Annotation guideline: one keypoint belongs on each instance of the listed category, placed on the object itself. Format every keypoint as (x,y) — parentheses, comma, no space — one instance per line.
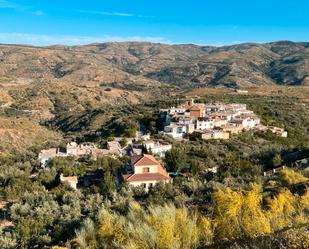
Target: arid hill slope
(138,63)
(39,83)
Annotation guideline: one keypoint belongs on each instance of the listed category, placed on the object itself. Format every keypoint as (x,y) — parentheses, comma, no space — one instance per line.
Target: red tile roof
(147,177)
(147,160)
(144,160)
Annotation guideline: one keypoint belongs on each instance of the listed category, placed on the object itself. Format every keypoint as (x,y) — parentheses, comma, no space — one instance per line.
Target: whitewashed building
(157,148)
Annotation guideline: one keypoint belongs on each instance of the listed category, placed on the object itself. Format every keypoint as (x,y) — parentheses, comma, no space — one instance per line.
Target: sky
(203,22)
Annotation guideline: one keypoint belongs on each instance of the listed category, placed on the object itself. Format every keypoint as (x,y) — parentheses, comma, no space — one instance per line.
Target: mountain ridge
(126,72)
(64,83)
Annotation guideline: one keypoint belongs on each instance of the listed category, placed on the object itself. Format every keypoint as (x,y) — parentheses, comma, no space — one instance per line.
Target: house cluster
(211,121)
(79,150)
(276,130)
(133,147)
(144,170)
(208,121)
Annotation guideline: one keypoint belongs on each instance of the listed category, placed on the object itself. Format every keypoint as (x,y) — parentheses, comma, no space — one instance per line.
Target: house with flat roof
(45,156)
(157,148)
(146,172)
(175,130)
(276,130)
(212,134)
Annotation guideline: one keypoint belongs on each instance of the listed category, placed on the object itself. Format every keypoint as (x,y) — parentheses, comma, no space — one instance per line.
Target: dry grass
(21,133)
(300,92)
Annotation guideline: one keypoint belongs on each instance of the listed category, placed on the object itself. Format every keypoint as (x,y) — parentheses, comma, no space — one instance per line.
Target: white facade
(158,148)
(145,184)
(205,124)
(175,131)
(250,123)
(175,110)
(45,156)
(72,148)
(218,122)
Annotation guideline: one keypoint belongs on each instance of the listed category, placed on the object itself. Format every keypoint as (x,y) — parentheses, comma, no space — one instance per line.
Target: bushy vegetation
(237,216)
(190,213)
(233,208)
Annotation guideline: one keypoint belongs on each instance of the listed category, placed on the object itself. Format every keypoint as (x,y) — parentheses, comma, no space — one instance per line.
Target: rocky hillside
(41,83)
(56,79)
(141,65)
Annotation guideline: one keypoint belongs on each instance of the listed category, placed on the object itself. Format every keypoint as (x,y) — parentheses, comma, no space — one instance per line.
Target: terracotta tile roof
(144,160)
(197,106)
(147,177)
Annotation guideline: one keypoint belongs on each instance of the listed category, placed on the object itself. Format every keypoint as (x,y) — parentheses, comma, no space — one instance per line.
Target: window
(145,170)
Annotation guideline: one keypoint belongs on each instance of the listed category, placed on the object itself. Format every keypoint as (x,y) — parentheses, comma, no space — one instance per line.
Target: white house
(157,148)
(45,156)
(218,122)
(175,131)
(205,123)
(175,110)
(212,134)
(278,131)
(240,91)
(147,172)
(247,122)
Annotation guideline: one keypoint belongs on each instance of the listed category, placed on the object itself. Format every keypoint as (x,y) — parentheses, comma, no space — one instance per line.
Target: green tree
(176,159)
(277,161)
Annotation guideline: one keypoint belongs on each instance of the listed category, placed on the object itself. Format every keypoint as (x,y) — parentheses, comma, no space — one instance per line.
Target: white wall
(205,125)
(147,183)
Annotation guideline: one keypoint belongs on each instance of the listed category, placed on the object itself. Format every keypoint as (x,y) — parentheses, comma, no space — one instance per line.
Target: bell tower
(189,102)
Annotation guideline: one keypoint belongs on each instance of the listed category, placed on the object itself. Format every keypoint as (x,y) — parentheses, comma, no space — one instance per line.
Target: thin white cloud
(105,13)
(18,7)
(46,40)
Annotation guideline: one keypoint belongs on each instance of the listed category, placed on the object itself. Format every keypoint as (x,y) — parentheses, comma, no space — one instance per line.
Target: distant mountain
(142,63)
(66,83)
(49,80)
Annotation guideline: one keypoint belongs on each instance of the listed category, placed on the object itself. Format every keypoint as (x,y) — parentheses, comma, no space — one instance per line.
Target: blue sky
(207,22)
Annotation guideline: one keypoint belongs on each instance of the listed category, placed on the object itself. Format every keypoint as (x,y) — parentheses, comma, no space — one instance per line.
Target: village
(154,124)
(187,121)
(212,121)
(142,164)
